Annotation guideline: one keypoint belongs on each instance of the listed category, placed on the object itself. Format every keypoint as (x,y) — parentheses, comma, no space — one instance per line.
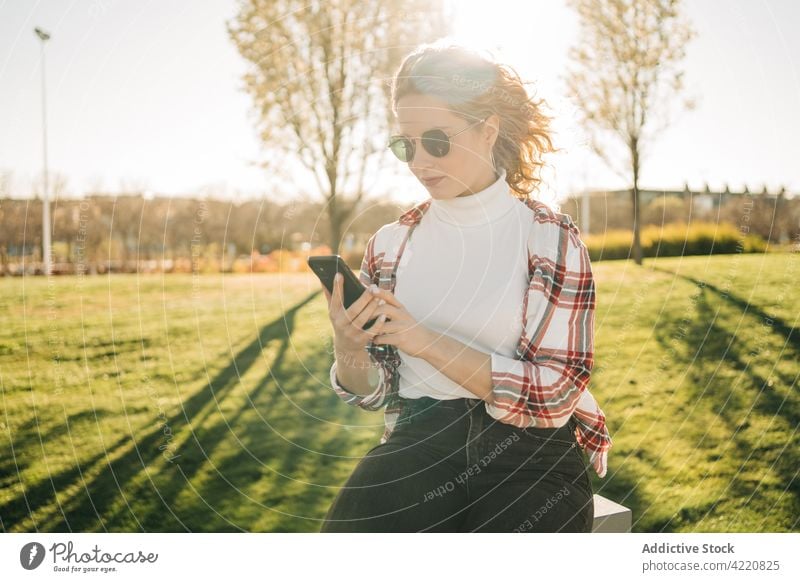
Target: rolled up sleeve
(371,401)
(543,385)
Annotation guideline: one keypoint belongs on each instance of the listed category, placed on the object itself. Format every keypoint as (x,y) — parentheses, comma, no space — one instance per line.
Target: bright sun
(533,37)
(512,29)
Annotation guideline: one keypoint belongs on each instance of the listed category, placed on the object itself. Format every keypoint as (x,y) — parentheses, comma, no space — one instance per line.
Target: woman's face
(467,166)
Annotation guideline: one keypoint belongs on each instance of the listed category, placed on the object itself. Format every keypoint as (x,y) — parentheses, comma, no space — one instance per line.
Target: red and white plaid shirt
(548,381)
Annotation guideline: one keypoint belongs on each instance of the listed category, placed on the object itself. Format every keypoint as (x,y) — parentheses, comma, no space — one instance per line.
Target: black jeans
(450,467)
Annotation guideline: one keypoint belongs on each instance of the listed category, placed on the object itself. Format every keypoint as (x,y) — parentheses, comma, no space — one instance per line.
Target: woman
(484,303)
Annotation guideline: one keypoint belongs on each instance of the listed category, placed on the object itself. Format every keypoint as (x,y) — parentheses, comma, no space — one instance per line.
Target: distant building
(599,210)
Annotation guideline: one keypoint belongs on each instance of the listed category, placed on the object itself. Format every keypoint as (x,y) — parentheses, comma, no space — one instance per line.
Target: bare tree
(626,75)
(320,80)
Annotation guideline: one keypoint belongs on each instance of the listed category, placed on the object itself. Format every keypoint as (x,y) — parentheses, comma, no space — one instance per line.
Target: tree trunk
(335,218)
(637,244)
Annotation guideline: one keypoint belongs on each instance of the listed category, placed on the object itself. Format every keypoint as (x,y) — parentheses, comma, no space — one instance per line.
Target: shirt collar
(478,208)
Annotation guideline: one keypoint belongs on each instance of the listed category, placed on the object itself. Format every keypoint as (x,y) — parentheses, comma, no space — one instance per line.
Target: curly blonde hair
(475,86)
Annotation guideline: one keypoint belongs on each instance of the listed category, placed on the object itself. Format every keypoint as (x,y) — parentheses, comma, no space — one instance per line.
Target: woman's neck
(485,183)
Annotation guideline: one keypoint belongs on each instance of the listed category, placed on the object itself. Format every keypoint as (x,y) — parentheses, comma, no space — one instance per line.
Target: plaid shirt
(547,383)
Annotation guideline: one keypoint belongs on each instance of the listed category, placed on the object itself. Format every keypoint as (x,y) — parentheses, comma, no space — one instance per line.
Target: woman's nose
(423,162)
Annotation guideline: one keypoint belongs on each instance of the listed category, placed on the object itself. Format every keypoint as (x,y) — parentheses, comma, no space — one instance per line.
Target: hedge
(675,239)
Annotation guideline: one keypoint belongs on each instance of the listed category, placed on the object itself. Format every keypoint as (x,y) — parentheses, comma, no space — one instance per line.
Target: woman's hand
(402,330)
(348,323)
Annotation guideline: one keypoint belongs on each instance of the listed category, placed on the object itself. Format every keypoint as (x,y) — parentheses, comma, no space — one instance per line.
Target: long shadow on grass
(712,348)
(87,509)
(274,449)
(289,452)
(769,401)
(790,334)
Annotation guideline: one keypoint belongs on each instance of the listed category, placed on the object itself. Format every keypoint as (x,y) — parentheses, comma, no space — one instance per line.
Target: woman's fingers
(366,314)
(386,326)
(338,313)
(378,304)
(388,296)
(337,293)
(361,318)
(391,311)
(378,327)
(358,305)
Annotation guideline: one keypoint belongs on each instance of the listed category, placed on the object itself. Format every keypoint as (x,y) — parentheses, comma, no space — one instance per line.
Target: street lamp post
(46,259)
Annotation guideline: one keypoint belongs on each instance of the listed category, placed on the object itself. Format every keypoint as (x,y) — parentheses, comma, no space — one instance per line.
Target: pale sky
(148,93)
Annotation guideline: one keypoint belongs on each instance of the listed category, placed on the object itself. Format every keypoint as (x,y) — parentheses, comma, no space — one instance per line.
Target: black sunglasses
(435,141)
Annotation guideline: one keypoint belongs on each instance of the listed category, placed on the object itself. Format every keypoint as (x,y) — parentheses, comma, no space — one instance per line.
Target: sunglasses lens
(436,143)
(402,148)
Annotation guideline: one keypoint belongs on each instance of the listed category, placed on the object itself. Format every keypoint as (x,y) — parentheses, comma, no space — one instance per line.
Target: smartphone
(326,266)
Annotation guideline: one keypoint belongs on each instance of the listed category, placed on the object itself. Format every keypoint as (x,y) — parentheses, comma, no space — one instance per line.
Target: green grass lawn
(183,403)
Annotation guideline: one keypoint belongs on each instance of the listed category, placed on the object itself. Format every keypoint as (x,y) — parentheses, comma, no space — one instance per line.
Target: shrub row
(672,240)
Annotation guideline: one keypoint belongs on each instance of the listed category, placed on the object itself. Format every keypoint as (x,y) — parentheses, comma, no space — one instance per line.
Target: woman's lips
(433,181)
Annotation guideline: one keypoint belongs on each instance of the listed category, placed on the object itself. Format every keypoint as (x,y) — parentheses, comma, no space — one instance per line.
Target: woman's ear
(491,129)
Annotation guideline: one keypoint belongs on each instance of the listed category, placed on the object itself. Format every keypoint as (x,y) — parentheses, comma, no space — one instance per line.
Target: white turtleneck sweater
(464,273)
